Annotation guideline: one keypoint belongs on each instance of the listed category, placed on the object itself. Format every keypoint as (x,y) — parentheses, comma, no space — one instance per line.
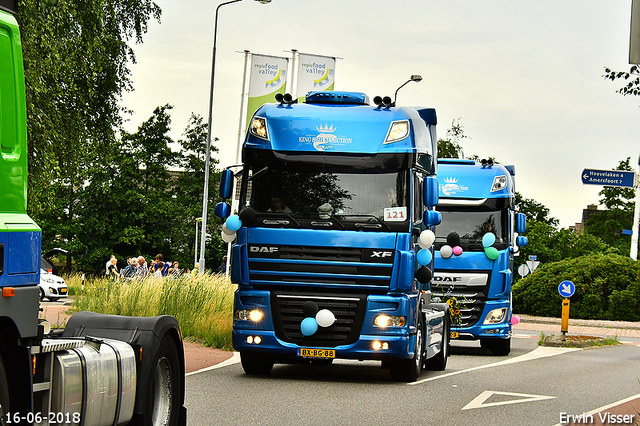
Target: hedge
(607,287)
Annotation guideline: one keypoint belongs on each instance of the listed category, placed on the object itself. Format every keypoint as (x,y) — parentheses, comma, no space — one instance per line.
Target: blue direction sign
(566,288)
(608,177)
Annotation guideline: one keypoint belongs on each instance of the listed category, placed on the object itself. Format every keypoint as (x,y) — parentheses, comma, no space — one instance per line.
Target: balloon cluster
(315,317)
(452,247)
(424,256)
(487,242)
(234,222)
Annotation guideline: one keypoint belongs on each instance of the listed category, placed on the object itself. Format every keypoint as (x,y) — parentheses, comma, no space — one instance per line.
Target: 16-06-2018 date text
(53,418)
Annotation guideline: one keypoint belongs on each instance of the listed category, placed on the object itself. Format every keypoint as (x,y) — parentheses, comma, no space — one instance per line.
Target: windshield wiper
(374,217)
(258,173)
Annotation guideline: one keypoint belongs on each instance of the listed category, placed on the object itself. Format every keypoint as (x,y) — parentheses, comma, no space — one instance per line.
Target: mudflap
(144,334)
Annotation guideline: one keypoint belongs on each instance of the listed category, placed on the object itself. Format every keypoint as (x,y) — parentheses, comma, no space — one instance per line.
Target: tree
(450,146)
(632,77)
(534,211)
(75,62)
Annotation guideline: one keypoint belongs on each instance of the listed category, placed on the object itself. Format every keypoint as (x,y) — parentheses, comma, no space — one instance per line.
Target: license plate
(454,335)
(316,353)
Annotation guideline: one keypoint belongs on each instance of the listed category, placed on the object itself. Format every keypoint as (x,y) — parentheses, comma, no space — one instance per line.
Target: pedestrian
(112,270)
(222,269)
(129,272)
(159,268)
(196,270)
(108,264)
(165,265)
(174,271)
(142,269)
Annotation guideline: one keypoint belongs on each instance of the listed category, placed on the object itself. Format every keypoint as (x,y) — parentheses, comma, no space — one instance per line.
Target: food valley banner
(267,76)
(315,73)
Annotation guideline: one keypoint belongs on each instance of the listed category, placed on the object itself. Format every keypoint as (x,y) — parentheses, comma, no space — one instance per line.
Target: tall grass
(202,305)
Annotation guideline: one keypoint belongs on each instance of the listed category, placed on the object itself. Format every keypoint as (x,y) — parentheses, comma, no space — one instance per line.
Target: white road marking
(233,360)
(539,352)
(479,401)
(606,407)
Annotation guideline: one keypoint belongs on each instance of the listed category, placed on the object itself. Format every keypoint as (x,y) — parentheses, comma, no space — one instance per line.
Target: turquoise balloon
(308,326)
(491,252)
(424,257)
(488,239)
(233,223)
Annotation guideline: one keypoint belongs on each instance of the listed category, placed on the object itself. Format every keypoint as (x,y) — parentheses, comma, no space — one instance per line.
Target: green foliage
(450,146)
(607,287)
(631,77)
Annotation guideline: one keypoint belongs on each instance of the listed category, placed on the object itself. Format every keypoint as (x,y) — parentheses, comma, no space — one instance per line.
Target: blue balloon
(233,223)
(487,239)
(308,326)
(424,257)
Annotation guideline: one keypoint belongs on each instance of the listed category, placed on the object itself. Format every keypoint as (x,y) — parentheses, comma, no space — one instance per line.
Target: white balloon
(227,238)
(325,318)
(227,230)
(426,239)
(446,252)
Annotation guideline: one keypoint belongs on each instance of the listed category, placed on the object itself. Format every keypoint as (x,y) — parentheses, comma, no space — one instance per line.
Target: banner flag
(267,76)
(315,73)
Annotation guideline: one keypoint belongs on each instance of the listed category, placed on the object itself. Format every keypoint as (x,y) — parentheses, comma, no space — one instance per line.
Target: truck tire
(164,386)
(4,394)
(439,362)
(255,364)
(408,370)
(500,347)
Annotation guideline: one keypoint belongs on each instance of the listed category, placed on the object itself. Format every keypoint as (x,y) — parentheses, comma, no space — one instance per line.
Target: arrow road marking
(480,400)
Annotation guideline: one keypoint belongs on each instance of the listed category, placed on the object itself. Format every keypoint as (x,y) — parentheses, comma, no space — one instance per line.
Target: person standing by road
(142,269)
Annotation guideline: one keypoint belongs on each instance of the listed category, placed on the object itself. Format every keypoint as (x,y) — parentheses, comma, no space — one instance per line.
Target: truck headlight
(259,128)
(398,130)
(390,321)
(499,183)
(496,316)
(254,315)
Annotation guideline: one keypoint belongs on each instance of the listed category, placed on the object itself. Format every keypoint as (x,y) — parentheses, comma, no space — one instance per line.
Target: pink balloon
(515,320)
(457,250)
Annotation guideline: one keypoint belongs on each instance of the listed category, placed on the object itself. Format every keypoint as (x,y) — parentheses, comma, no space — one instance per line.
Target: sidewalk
(601,328)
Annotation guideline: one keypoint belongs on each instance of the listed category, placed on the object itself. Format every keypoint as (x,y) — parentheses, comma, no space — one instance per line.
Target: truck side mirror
(431,218)
(521,223)
(226,184)
(522,241)
(430,190)
(222,210)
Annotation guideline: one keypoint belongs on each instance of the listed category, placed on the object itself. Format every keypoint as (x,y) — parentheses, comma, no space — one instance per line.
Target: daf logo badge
(263,249)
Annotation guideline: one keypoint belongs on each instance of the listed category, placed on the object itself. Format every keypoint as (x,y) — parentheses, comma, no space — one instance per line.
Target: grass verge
(202,305)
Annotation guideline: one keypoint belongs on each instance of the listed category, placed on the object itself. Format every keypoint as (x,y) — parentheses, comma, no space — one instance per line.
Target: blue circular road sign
(566,288)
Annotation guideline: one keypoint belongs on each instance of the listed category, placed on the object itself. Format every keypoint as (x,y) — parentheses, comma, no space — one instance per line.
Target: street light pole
(205,197)
(414,77)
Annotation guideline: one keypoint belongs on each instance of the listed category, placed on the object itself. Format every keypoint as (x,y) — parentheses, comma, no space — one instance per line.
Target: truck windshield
(471,226)
(380,199)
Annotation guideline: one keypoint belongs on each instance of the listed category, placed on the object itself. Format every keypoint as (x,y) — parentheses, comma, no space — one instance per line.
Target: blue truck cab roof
(341,123)
(467,179)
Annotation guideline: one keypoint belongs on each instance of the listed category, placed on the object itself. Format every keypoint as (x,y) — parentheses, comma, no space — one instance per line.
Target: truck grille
(288,313)
(473,299)
(361,268)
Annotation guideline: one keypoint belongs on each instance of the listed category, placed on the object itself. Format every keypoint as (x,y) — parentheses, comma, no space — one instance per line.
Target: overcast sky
(524,77)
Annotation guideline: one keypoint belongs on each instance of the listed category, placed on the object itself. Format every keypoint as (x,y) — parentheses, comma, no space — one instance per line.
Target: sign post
(566,290)
(620,178)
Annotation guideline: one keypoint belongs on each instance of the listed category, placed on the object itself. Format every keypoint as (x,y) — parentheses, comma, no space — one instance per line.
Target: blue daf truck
(474,248)
(334,195)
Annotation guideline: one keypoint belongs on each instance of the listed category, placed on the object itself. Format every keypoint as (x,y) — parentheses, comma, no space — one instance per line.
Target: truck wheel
(164,386)
(4,394)
(255,364)
(408,370)
(439,362)
(497,346)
